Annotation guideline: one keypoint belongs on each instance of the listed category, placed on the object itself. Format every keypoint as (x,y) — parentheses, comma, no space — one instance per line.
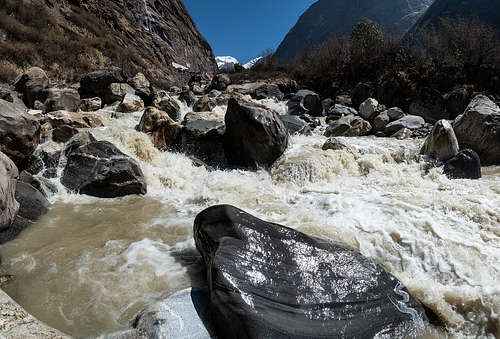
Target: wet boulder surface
(270,281)
(255,136)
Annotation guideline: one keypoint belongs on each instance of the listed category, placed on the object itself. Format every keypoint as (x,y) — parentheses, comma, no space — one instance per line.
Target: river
(91,264)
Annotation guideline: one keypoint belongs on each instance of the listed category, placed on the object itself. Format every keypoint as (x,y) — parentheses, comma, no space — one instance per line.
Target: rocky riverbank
(109,138)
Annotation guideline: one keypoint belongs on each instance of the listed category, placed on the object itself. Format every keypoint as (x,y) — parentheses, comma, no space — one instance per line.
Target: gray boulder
(116,92)
(31,85)
(478,128)
(255,136)
(91,104)
(8,204)
(295,124)
(305,102)
(220,82)
(267,91)
(19,132)
(348,126)
(381,121)
(336,144)
(74,119)
(338,111)
(99,169)
(441,143)
(32,206)
(131,103)
(368,109)
(142,87)
(411,122)
(185,314)
(395,113)
(57,99)
(403,133)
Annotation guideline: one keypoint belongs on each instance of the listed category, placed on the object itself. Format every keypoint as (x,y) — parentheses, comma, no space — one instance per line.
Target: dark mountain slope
(486,11)
(328,17)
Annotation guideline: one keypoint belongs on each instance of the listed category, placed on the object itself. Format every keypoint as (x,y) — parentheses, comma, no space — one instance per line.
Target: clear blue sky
(244,29)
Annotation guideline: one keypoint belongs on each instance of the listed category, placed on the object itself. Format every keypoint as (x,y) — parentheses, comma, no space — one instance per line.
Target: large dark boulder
(305,102)
(478,128)
(31,85)
(99,169)
(255,136)
(95,84)
(270,281)
(465,165)
(19,132)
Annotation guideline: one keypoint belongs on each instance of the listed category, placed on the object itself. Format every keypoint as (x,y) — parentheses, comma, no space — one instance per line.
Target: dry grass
(33,38)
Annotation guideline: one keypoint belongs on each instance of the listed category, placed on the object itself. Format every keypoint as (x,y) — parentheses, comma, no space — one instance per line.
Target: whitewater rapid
(91,264)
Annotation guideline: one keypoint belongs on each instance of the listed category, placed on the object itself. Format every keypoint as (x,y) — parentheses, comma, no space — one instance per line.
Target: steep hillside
(69,37)
(327,17)
(486,11)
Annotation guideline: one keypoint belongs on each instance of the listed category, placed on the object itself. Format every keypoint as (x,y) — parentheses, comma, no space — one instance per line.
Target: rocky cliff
(326,18)
(70,37)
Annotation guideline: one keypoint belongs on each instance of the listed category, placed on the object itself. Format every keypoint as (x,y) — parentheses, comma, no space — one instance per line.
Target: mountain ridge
(325,18)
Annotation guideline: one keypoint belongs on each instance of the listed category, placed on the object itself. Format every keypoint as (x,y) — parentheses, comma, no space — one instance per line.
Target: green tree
(366,35)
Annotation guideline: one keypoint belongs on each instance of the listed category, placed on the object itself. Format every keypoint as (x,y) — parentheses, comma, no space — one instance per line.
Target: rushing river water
(91,264)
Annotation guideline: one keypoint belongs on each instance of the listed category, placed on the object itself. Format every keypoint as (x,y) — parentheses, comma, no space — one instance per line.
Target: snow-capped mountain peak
(226,63)
(252,63)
